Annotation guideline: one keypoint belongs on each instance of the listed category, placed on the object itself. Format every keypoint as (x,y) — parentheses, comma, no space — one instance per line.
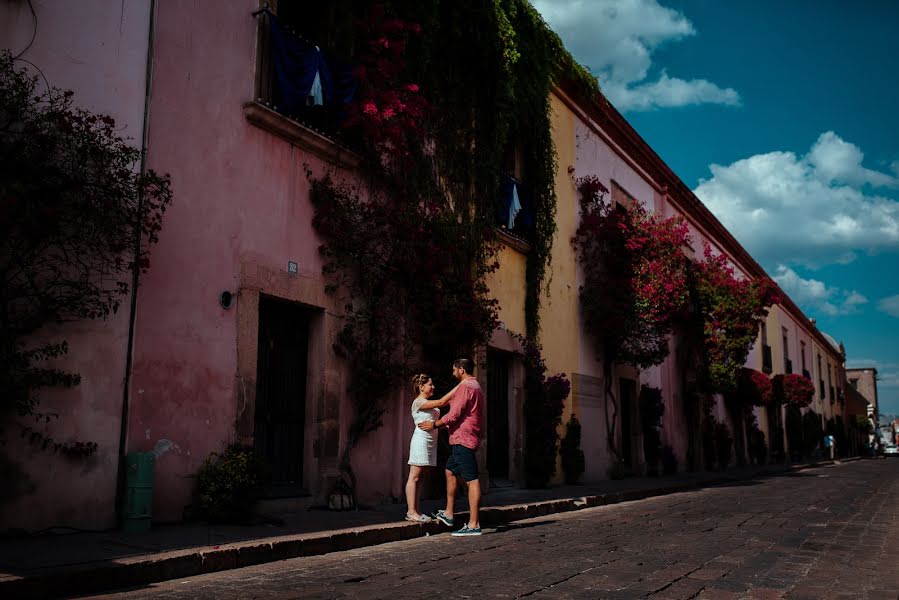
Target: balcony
(806,374)
(514,213)
(788,366)
(767,365)
(299,80)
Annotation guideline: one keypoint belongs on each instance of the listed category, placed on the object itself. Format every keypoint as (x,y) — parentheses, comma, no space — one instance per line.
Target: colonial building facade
(234,333)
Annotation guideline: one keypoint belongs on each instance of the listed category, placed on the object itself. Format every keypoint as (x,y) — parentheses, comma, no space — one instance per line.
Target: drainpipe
(135,276)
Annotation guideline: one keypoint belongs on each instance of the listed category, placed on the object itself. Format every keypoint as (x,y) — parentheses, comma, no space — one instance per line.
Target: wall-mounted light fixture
(226,299)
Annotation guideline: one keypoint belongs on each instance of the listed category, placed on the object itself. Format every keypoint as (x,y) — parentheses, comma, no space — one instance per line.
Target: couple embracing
(463,421)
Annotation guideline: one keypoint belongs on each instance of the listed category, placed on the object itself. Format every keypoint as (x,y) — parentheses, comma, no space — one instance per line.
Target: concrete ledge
(178,564)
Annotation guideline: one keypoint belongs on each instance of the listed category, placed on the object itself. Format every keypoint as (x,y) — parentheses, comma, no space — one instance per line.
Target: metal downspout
(135,276)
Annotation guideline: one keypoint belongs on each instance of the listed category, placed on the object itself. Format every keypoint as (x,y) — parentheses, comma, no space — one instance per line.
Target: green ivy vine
(446,90)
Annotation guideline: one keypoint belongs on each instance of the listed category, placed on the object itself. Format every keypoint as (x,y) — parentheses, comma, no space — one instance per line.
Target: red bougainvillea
(754,388)
(635,284)
(387,111)
(635,276)
(794,389)
(732,309)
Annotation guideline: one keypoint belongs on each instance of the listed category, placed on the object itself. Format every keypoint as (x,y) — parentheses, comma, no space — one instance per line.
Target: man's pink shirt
(463,421)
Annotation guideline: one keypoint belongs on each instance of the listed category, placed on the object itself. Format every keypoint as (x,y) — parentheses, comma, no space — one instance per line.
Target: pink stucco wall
(242,211)
(103,60)
(598,156)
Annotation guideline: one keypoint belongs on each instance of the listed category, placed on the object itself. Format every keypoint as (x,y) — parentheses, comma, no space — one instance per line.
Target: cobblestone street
(830,532)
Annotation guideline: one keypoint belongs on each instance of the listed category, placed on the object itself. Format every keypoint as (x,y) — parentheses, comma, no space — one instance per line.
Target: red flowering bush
(731,309)
(793,388)
(754,388)
(635,277)
(635,284)
(386,114)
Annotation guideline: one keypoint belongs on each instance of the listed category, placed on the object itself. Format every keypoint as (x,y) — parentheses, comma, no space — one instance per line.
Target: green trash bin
(138,509)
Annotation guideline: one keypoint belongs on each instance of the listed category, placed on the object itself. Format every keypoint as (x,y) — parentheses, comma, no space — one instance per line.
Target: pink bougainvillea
(387,113)
(635,271)
(794,389)
(732,310)
(754,388)
(635,284)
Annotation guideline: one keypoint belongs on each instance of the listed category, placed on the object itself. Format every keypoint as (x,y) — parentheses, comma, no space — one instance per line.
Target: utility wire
(33,34)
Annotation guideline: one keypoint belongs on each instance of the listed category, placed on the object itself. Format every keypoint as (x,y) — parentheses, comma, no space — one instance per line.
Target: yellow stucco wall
(559,313)
(507,285)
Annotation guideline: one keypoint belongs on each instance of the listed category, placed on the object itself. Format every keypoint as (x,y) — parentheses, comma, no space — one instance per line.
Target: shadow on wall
(16,482)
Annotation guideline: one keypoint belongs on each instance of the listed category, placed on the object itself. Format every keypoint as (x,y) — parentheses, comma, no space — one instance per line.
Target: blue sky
(783,117)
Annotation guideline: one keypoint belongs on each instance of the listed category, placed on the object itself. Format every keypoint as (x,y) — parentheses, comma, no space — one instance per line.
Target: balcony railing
(788,366)
(806,374)
(767,365)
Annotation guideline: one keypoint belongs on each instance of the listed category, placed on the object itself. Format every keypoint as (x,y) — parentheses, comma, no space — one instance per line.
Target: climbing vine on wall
(635,285)
(76,220)
(445,89)
(731,311)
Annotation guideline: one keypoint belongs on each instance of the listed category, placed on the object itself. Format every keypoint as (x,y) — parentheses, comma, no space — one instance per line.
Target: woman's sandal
(418,519)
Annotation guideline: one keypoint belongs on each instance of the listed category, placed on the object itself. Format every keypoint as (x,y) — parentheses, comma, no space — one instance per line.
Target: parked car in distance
(890,450)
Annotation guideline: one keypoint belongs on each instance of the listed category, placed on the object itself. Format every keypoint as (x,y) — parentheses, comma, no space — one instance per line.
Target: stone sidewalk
(84,562)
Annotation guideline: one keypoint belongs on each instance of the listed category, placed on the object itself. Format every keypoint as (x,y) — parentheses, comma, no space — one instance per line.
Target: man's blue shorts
(463,461)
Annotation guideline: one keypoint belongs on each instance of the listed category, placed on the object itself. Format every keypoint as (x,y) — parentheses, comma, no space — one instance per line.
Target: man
(463,421)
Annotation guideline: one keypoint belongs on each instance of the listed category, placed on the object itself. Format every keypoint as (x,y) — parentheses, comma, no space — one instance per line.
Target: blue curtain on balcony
(513,205)
(304,74)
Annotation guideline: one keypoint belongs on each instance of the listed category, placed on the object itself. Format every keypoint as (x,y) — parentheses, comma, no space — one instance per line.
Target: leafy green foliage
(228,484)
(573,462)
(543,407)
(813,432)
(794,431)
(724,445)
(446,90)
(731,310)
(76,219)
(758,446)
(669,460)
(652,409)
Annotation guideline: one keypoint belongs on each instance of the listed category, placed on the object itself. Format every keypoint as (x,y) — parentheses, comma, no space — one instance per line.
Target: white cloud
(837,161)
(813,209)
(616,39)
(668,92)
(812,294)
(890,305)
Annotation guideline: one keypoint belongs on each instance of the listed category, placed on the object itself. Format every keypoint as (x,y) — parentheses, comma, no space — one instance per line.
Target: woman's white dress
(423,448)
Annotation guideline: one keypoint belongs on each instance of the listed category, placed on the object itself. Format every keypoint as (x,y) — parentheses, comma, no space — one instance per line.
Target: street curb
(178,564)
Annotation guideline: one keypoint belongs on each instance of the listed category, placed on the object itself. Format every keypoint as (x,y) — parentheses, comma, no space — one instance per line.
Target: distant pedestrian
(830,444)
(464,424)
(423,446)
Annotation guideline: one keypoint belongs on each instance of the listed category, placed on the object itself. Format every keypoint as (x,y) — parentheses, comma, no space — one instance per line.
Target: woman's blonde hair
(418,381)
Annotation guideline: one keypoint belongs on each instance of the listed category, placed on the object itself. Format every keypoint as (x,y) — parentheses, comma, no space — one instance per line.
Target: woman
(423,447)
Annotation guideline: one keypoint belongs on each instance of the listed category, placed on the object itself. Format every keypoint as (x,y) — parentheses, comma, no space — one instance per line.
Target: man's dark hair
(466,364)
